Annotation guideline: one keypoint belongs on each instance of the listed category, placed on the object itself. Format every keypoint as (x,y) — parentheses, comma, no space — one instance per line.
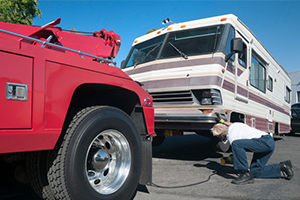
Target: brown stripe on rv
(241,91)
(176,64)
(231,69)
(210,80)
(264,125)
(183,82)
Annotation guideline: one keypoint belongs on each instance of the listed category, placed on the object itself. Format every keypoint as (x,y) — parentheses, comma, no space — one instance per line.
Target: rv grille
(172,97)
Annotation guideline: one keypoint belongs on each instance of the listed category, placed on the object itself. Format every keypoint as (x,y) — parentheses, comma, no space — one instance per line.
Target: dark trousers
(262,148)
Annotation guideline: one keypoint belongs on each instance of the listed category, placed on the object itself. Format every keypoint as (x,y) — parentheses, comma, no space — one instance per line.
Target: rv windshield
(145,52)
(180,43)
(193,42)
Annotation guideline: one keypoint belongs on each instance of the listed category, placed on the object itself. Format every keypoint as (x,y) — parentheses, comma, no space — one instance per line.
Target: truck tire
(36,167)
(99,157)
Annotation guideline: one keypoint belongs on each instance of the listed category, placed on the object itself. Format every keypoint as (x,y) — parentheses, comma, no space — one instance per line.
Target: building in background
(295,79)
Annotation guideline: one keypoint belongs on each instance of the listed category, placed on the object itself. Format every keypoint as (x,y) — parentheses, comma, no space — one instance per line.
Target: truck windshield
(180,43)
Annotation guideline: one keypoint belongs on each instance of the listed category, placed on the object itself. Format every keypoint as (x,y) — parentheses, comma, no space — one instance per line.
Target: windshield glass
(140,52)
(179,44)
(192,42)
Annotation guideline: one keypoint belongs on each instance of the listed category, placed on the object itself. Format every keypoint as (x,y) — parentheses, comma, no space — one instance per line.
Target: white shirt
(237,131)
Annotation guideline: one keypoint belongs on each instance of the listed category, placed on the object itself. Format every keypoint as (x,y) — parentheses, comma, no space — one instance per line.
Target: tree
(19,11)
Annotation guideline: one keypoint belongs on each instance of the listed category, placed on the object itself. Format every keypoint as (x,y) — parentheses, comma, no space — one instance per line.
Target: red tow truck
(74,125)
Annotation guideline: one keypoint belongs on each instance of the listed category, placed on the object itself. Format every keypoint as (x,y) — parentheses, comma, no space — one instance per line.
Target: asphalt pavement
(187,168)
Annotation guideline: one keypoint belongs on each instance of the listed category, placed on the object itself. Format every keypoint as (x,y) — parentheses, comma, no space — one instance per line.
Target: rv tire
(220,144)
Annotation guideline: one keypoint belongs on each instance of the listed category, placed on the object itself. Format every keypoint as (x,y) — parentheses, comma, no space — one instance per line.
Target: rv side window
(287,97)
(257,73)
(192,42)
(228,49)
(243,56)
(270,84)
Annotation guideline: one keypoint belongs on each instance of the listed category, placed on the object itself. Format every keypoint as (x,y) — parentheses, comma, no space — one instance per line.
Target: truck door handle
(15,91)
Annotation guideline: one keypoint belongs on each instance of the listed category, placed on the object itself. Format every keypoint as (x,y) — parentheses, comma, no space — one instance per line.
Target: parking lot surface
(187,168)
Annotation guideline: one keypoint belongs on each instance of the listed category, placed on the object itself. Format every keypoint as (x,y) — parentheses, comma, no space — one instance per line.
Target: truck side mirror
(236,46)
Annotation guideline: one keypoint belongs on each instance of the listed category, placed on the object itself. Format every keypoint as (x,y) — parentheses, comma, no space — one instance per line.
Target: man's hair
(219,129)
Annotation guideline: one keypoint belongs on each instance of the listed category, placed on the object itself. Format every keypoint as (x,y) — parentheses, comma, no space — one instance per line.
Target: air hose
(192,184)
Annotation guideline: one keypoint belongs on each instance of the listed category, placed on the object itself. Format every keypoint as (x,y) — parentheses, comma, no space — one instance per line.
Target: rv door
(241,92)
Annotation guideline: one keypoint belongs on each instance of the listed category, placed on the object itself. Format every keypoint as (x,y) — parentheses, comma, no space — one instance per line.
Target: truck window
(193,41)
(141,50)
(257,73)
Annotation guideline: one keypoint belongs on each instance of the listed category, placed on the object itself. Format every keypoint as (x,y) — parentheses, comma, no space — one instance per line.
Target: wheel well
(97,94)
(237,117)
(88,95)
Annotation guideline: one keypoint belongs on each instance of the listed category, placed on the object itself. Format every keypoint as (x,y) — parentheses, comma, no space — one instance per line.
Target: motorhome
(197,68)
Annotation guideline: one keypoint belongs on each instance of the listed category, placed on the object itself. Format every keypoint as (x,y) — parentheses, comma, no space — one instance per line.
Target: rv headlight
(208,97)
(206,101)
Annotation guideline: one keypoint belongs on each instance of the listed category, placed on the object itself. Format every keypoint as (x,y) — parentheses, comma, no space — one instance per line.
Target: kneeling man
(245,138)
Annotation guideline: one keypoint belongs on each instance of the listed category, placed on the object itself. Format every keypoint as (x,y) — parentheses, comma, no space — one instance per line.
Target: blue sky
(275,23)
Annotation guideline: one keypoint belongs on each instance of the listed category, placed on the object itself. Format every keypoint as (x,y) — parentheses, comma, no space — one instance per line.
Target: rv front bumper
(192,122)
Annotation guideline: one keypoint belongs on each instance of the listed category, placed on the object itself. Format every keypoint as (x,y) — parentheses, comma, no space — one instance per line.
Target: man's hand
(219,119)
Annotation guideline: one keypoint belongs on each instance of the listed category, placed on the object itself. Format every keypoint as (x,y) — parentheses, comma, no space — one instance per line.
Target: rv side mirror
(236,46)
(122,64)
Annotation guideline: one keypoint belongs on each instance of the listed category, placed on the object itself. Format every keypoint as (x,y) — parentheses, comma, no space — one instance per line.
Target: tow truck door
(15,91)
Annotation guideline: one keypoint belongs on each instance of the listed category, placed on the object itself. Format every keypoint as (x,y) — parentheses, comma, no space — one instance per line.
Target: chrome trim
(15,91)
(108,162)
(147,99)
(185,118)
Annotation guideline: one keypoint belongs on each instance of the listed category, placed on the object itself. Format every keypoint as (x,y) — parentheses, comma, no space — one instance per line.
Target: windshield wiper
(146,56)
(178,51)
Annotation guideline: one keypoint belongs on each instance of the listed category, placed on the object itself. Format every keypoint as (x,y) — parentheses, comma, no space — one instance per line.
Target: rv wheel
(220,144)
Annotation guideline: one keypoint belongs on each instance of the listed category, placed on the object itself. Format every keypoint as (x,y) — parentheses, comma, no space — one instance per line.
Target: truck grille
(173,97)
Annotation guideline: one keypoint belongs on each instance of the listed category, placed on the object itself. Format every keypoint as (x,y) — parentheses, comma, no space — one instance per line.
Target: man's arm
(219,119)
(227,123)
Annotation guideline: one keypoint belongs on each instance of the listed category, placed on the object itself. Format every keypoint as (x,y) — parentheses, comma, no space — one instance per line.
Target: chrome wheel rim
(108,161)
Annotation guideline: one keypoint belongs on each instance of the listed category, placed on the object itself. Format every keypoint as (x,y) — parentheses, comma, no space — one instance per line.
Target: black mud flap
(146,175)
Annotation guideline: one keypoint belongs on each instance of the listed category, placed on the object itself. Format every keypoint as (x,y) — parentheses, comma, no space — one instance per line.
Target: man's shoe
(288,163)
(245,177)
(286,168)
